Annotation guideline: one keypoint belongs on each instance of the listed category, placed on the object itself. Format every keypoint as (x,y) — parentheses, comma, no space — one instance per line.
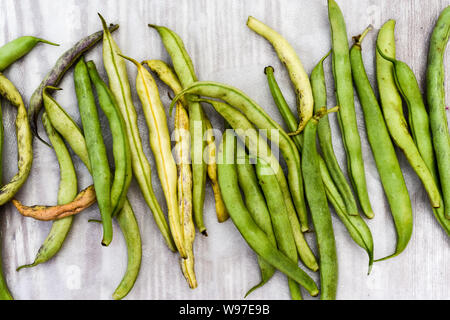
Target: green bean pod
(66,193)
(320,213)
(156,120)
(345,99)
(17,48)
(98,158)
(4,291)
(258,147)
(256,205)
(418,122)
(298,75)
(383,150)
(121,148)
(356,226)
(280,218)
(184,69)
(69,130)
(436,102)
(391,103)
(24,141)
(262,120)
(253,235)
(120,87)
(325,140)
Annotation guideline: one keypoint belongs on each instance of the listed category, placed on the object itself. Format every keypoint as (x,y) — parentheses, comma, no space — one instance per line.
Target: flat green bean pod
(258,147)
(120,87)
(320,213)
(253,235)
(418,122)
(66,193)
(345,99)
(383,151)
(325,140)
(280,218)
(391,103)
(69,130)
(238,99)
(257,207)
(356,226)
(184,69)
(298,75)
(17,48)
(24,141)
(436,102)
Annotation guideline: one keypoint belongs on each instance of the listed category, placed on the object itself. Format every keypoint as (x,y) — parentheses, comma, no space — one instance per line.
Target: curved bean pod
(66,193)
(68,129)
(54,76)
(383,150)
(345,99)
(121,148)
(253,235)
(118,82)
(155,117)
(24,141)
(418,122)
(17,48)
(356,226)
(184,69)
(391,103)
(238,99)
(280,218)
(256,205)
(258,147)
(436,102)
(98,158)
(298,75)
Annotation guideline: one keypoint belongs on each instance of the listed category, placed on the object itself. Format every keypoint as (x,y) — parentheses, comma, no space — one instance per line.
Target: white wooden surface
(222,49)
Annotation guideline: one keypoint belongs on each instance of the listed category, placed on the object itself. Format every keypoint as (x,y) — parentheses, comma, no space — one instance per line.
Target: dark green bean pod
(280,218)
(54,76)
(320,213)
(436,102)
(356,226)
(96,148)
(253,235)
(256,204)
(383,150)
(345,99)
(17,48)
(121,148)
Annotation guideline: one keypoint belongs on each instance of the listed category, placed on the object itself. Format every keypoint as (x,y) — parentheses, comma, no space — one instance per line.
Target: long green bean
(383,151)
(345,99)
(436,102)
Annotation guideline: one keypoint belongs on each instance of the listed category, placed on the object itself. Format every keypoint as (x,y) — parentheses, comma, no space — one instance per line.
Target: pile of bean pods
(270,208)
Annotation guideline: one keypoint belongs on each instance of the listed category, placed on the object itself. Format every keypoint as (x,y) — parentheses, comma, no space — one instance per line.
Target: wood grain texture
(223,49)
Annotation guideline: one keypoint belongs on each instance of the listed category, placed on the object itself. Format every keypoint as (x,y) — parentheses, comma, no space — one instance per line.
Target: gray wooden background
(223,49)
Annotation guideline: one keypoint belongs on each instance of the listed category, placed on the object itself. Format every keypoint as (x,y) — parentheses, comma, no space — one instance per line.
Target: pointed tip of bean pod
(46,88)
(104,24)
(27,266)
(135,62)
(154,26)
(357,40)
(48,42)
